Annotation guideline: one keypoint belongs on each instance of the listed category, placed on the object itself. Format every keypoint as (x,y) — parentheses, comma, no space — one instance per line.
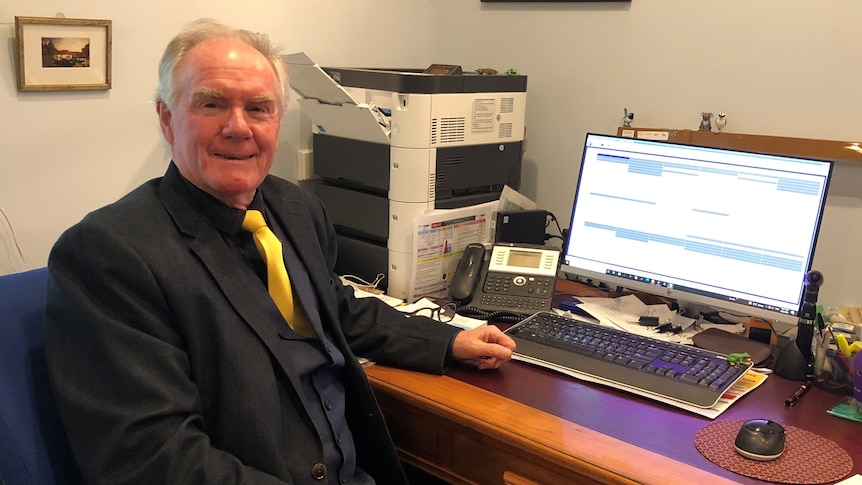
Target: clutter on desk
(851,406)
(439,238)
(454,319)
(625,312)
(833,371)
(572,306)
(359,283)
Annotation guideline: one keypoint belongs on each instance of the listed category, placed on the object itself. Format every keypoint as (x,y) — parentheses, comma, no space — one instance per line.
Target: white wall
(776,67)
(63,154)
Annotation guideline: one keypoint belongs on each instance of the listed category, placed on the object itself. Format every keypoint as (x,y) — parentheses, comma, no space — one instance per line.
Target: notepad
(848,408)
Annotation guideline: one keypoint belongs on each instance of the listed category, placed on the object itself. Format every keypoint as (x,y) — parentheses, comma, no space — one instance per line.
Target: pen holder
(832,370)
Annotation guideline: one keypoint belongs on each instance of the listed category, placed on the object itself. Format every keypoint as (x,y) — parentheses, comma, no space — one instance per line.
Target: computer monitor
(729,229)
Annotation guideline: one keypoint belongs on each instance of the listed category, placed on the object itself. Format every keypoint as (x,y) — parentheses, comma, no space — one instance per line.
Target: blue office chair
(33,445)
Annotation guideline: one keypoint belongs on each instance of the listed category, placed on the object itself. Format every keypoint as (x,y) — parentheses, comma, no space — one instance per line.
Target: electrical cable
(506,316)
(562,233)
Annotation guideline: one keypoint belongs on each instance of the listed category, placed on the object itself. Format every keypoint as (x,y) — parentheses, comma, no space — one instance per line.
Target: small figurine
(705,122)
(511,71)
(720,122)
(486,71)
(627,118)
(742,358)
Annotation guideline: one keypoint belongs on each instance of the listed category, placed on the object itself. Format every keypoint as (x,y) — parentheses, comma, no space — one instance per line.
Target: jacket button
(318,471)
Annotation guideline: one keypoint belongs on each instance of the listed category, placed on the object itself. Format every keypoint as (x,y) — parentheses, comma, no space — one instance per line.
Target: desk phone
(513,278)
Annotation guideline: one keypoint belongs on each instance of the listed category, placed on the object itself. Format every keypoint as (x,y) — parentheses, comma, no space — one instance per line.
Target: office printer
(390,144)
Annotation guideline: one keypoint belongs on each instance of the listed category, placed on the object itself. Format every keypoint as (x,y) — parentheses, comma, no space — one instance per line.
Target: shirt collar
(226,219)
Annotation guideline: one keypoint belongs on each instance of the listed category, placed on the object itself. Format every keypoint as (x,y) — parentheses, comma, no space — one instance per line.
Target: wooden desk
(465,434)
(539,427)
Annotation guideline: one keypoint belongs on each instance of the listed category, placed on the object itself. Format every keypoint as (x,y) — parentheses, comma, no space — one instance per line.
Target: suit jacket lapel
(209,246)
(292,216)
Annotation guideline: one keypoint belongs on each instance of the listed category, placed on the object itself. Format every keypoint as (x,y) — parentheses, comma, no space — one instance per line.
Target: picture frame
(61,54)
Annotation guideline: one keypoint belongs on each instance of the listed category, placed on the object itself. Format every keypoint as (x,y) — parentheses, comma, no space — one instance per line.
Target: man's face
(223,128)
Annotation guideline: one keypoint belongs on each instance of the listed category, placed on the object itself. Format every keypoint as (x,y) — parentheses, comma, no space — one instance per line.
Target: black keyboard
(647,366)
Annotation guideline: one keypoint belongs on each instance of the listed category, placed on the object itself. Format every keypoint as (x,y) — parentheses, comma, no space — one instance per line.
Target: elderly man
(177,353)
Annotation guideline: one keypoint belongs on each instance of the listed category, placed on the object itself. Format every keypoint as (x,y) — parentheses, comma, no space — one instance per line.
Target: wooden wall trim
(838,151)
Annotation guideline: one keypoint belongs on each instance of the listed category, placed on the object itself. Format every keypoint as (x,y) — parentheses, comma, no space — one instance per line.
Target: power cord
(505,316)
(561,233)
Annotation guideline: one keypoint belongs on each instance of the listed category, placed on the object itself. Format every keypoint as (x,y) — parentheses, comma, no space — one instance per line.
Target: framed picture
(58,54)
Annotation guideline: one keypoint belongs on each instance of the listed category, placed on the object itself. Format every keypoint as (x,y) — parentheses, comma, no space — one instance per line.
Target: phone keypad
(518,285)
(515,303)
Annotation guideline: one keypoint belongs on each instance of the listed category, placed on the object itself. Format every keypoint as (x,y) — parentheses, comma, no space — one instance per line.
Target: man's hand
(485,347)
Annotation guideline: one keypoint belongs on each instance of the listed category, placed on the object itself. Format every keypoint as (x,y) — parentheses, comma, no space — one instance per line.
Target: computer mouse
(760,439)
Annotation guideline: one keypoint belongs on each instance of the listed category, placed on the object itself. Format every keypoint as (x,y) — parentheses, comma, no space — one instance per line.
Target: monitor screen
(729,229)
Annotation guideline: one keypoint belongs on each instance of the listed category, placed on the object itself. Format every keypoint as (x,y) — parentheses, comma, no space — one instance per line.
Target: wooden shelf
(839,151)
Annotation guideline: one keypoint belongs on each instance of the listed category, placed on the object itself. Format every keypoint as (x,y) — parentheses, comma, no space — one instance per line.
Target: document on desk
(750,381)
(623,313)
(439,239)
(440,236)
(512,200)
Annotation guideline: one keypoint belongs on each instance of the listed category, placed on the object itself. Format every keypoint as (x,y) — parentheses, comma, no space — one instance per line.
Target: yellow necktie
(277,280)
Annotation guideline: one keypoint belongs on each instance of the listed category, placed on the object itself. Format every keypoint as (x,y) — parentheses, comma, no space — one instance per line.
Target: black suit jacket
(165,369)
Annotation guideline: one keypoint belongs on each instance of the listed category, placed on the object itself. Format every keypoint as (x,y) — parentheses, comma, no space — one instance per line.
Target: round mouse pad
(808,458)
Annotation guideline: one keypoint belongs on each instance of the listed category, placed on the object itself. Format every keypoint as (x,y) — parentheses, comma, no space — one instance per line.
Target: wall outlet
(304,164)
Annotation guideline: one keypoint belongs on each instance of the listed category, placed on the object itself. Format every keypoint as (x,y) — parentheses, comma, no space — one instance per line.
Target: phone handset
(467,274)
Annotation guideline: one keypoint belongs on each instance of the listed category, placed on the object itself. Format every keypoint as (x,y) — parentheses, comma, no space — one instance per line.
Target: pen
(793,399)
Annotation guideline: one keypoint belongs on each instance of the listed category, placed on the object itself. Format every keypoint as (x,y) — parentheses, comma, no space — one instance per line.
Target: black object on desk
(796,359)
(797,395)
(724,342)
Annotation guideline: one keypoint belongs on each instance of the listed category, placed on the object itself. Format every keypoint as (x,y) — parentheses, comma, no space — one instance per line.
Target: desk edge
(465,404)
